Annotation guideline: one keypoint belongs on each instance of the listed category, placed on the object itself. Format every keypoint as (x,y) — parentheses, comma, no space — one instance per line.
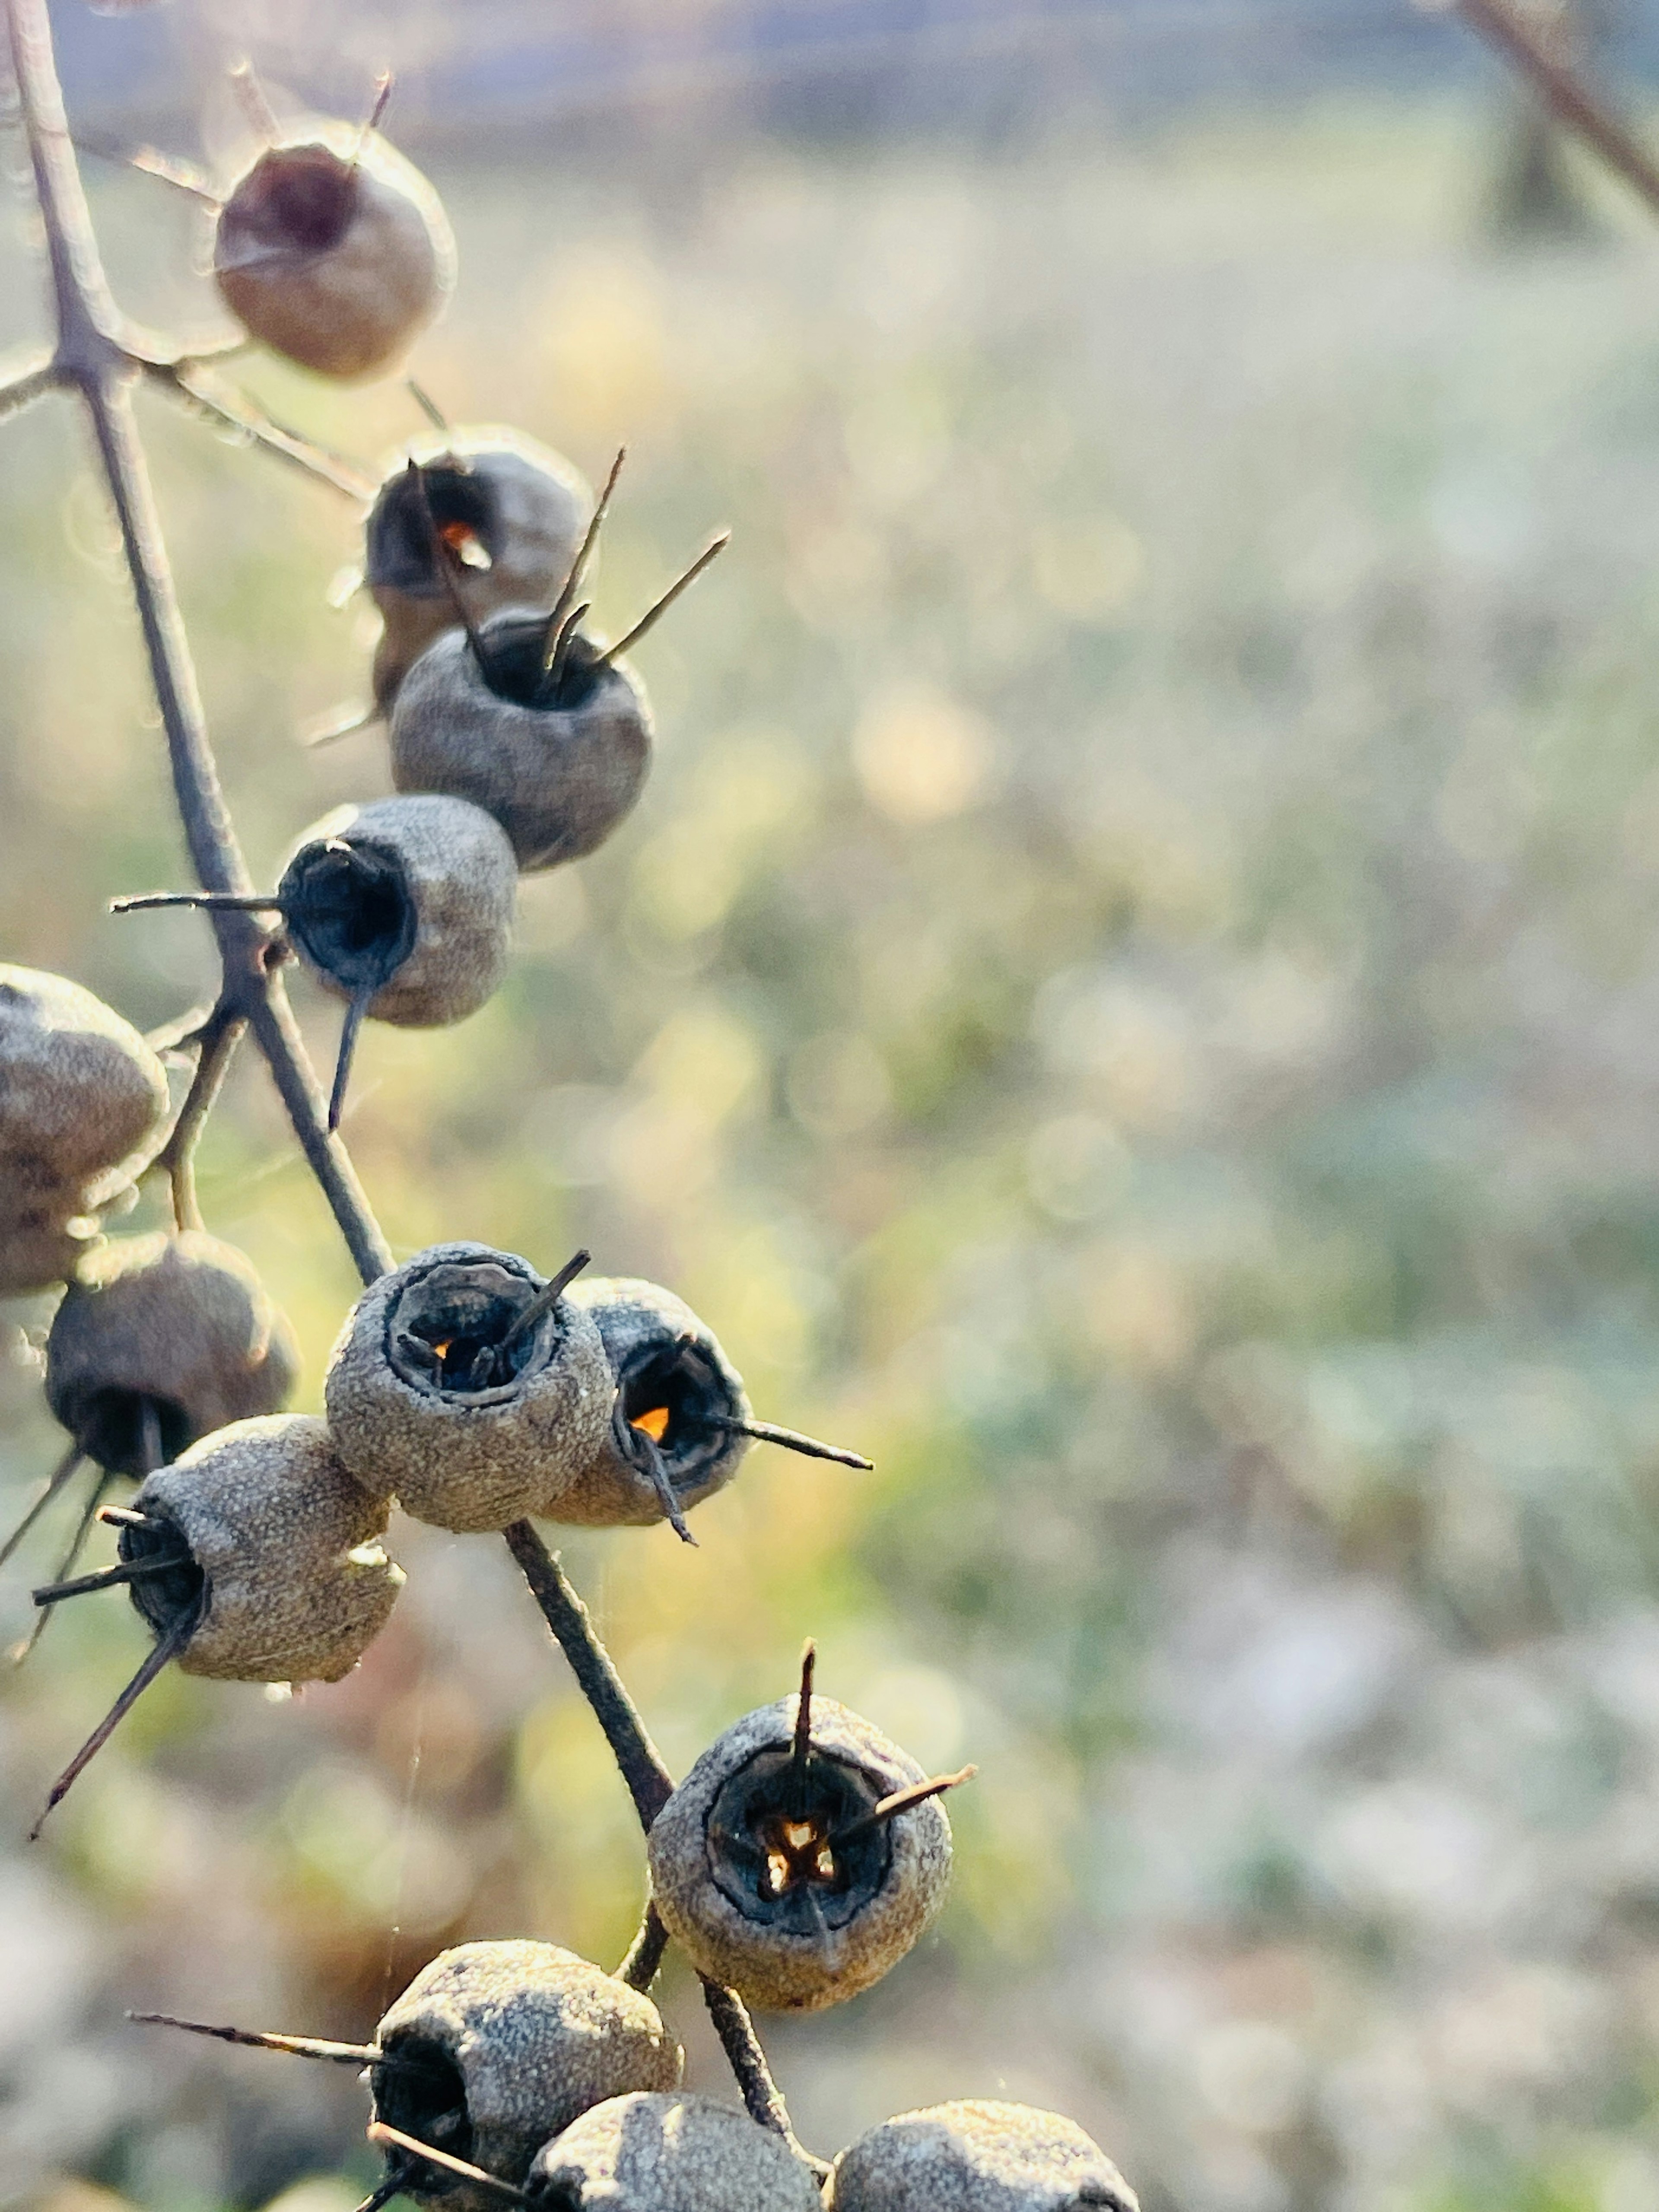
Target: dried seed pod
(803,1855)
(682,1420)
(37,1250)
(333,250)
(283,1557)
(973,2156)
(558,765)
(520,2038)
(405,904)
(508,513)
(179,1325)
(470,1386)
(82,1095)
(669,2154)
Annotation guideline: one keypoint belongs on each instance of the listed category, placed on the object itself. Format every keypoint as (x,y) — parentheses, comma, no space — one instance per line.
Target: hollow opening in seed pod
(300,198)
(518,667)
(349,908)
(562,2193)
(774,1847)
(111,1428)
(466,512)
(174,1593)
(675,1395)
(431,2105)
(455,1330)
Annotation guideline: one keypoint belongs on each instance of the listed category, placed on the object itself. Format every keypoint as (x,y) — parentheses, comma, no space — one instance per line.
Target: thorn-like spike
(123,1517)
(642,1447)
(428,405)
(354,1011)
(125,1571)
(578,568)
(371,122)
(768,1432)
(150,161)
(548,689)
(445,566)
(165,1649)
(342,722)
(544,1300)
(801,1753)
(654,614)
(293,2046)
(391,2138)
(899,1802)
(393,2185)
(20,1652)
(54,1482)
(251,96)
(214,901)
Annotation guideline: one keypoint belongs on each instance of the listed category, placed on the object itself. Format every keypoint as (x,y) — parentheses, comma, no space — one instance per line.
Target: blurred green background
(1132,995)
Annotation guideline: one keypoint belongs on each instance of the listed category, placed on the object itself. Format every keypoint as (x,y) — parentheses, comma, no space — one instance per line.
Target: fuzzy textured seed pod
(509,511)
(674,1384)
(446,1390)
(669,2154)
(82,1098)
(521,2038)
(180,1324)
(333,250)
(283,1550)
(558,771)
(970,2156)
(770,1872)
(405,904)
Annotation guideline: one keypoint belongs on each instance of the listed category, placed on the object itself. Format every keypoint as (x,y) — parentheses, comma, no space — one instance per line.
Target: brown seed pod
(82,1099)
(520,2038)
(333,250)
(803,1855)
(669,2154)
(180,1325)
(470,1386)
(504,515)
(973,2156)
(558,765)
(284,1554)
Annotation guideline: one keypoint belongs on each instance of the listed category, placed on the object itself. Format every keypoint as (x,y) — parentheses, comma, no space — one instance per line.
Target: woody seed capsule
(669,2154)
(674,1385)
(506,513)
(771,1865)
(520,2038)
(435,1392)
(284,1554)
(405,904)
(333,250)
(179,1324)
(558,765)
(973,2156)
(82,1098)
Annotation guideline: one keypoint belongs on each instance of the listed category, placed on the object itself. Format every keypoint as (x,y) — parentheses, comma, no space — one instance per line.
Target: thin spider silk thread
(405,1822)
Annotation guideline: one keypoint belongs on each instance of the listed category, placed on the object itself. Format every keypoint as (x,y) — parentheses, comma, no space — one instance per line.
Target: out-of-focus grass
(1130,996)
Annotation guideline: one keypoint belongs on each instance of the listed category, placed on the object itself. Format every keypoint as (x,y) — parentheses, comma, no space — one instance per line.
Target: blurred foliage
(1132,996)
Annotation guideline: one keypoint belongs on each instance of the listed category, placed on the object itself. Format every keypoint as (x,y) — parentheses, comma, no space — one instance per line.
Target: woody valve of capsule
(669,2154)
(776,1873)
(517,2039)
(975,2156)
(452,1387)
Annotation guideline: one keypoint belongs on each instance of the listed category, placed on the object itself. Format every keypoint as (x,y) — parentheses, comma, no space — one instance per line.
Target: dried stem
(219,1036)
(645,1953)
(1564,92)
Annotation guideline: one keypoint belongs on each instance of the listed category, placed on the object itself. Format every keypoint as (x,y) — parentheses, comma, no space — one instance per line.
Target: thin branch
(1566,94)
(24,385)
(762,2100)
(645,1953)
(235,411)
(219,1036)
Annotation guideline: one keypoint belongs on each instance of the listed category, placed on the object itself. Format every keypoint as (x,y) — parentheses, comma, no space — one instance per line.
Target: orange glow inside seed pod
(465,544)
(654,1423)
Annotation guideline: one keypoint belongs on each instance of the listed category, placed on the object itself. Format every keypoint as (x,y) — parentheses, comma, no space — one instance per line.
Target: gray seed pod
(511,512)
(521,2038)
(669,2154)
(333,250)
(405,903)
(752,1877)
(180,1323)
(558,775)
(970,2156)
(673,1381)
(284,1552)
(81,1094)
(431,1394)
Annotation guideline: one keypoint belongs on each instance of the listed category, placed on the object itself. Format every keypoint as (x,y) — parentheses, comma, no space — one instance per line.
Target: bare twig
(1569,98)
(233,410)
(23,386)
(219,1036)
(645,1953)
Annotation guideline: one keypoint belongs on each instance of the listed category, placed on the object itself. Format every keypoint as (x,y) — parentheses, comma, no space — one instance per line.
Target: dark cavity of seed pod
(297,197)
(465,514)
(349,909)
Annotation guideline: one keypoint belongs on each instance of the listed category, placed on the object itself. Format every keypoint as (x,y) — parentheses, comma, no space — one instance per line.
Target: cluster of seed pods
(805,1853)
